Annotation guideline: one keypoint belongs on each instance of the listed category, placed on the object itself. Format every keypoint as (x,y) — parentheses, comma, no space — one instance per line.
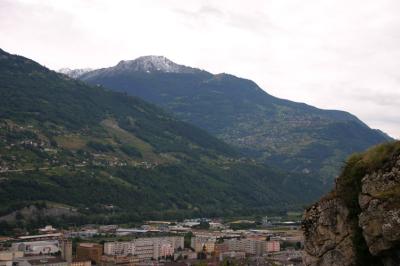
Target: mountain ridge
(84,71)
(143,64)
(127,64)
(65,142)
(151,63)
(294,136)
(74,73)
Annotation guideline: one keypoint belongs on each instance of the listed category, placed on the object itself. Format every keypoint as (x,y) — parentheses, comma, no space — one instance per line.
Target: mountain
(74,73)
(358,222)
(153,63)
(105,157)
(294,136)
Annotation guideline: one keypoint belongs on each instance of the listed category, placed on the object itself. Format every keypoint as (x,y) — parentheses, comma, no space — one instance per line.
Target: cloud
(335,54)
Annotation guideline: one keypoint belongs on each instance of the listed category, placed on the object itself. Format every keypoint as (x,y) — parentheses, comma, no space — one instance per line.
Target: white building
(47,229)
(119,248)
(145,248)
(247,245)
(83,234)
(37,247)
(129,231)
(201,242)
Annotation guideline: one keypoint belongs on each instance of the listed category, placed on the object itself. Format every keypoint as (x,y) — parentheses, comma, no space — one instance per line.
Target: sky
(333,54)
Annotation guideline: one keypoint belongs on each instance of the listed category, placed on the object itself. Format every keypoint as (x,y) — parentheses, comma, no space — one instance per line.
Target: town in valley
(202,241)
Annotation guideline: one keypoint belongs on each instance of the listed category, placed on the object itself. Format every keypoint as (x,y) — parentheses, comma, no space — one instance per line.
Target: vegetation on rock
(367,193)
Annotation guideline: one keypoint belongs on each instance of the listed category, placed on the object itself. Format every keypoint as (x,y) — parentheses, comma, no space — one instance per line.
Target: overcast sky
(339,54)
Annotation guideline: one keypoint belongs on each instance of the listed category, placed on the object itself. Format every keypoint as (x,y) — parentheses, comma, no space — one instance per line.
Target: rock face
(328,234)
(362,210)
(380,216)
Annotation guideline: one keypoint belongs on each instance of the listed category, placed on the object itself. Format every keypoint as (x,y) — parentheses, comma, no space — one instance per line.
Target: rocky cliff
(358,223)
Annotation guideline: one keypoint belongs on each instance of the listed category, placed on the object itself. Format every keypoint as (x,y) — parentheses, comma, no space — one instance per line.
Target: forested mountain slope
(112,157)
(295,136)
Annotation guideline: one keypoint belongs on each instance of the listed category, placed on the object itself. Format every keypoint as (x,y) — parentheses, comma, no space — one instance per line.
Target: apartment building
(248,245)
(119,248)
(203,242)
(273,246)
(221,248)
(37,247)
(66,250)
(145,248)
(89,251)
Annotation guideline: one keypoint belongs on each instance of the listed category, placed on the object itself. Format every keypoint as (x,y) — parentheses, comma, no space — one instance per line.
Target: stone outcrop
(328,234)
(380,213)
(332,231)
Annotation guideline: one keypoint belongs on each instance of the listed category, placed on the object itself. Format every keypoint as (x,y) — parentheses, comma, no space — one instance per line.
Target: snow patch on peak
(74,73)
(153,63)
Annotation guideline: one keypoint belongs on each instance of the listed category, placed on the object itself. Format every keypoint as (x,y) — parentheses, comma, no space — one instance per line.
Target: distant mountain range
(293,136)
(108,157)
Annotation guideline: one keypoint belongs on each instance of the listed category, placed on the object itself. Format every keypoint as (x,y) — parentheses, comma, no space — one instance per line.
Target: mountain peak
(74,73)
(154,63)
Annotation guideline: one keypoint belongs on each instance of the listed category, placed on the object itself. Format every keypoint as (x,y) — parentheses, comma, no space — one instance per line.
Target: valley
(65,142)
(199,133)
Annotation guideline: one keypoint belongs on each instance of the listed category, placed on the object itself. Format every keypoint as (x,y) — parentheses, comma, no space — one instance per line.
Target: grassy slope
(88,148)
